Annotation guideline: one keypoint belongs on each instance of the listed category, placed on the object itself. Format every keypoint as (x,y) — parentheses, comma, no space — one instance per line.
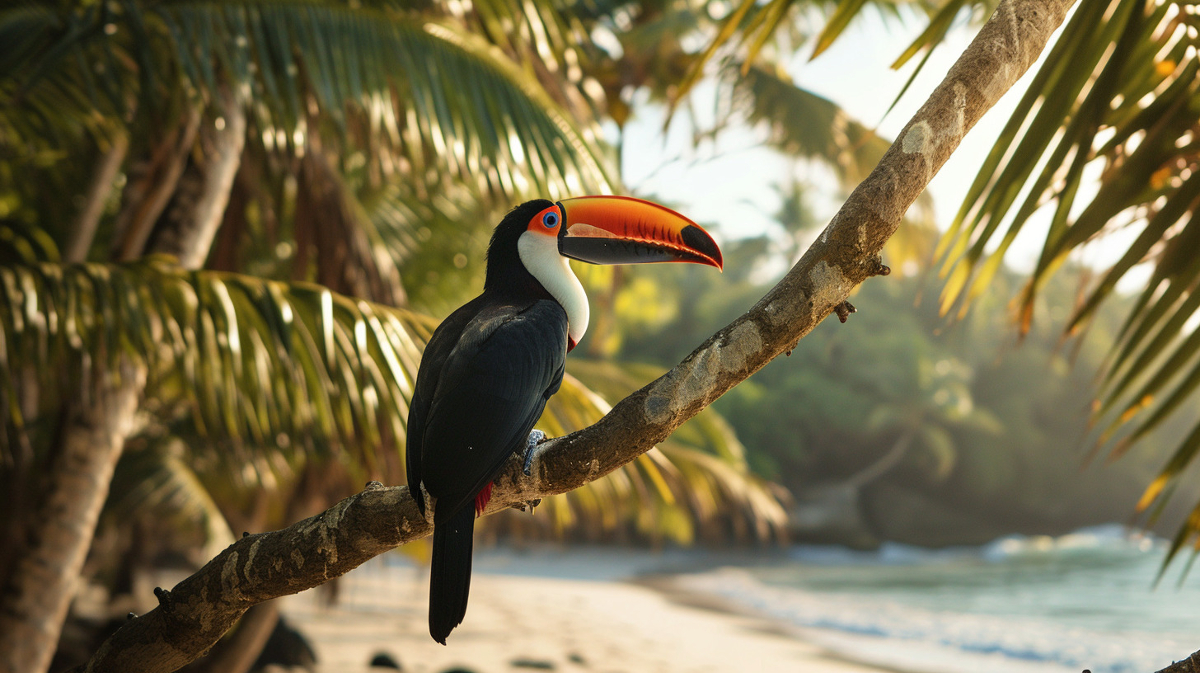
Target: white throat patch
(539,254)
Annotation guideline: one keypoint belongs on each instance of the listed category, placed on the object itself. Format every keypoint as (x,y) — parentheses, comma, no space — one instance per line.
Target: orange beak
(625,230)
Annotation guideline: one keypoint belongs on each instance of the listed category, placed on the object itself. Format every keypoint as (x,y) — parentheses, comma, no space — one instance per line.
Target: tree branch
(1189,665)
(35,596)
(260,567)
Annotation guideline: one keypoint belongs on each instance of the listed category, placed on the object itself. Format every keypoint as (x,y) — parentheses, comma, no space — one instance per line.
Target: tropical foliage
(349,160)
(1105,142)
(947,434)
(279,376)
(374,135)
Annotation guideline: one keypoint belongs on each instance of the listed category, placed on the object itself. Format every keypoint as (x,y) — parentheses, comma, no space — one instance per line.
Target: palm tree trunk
(84,230)
(35,597)
(191,235)
(882,466)
(325,214)
(147,196)
(44,579)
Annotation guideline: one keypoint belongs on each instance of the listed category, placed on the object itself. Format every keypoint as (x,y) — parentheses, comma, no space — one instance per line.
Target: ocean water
(1018,605)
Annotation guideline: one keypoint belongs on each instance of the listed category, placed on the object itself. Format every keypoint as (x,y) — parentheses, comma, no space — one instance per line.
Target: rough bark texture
(201,608)
(265,566)
(43,581)
(1189,665)
(238,652)
(38,591)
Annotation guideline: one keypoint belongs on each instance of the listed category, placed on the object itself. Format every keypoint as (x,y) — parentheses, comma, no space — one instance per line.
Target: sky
(734,184)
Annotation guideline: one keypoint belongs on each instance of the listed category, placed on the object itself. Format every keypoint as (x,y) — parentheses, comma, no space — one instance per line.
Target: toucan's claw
(843,310)
(536,437)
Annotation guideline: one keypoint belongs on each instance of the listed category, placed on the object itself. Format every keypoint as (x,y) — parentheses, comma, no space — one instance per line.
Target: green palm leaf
(1118,98)
(468,99)
(804,124)
(469,106)
(258,362)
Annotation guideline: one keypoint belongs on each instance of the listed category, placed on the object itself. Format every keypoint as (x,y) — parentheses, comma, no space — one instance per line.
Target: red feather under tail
(481,499)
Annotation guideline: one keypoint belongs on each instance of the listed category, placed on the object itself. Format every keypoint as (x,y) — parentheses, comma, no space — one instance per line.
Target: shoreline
(534,622)
(671,587)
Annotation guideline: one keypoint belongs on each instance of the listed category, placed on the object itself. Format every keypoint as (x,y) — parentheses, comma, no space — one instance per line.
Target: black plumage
(483,382)
(489,369)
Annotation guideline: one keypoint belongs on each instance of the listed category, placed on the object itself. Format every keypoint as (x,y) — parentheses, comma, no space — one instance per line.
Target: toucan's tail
(450,576)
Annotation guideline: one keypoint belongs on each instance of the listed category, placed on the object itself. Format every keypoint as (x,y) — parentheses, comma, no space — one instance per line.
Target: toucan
(490,367)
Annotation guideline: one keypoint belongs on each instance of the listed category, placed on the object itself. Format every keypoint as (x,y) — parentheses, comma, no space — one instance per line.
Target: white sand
(569,625)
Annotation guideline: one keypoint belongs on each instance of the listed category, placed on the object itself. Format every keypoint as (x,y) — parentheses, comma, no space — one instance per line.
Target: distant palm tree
(1105,140)
(226,116)
(298,141)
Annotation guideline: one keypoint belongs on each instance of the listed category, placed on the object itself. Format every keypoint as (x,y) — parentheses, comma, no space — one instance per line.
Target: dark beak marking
(695,238)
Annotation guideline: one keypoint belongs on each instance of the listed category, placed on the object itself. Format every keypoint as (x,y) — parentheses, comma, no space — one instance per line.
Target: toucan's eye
(550,219)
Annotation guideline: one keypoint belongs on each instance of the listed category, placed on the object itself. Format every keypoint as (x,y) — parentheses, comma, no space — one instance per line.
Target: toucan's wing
(433,362)
(491,389)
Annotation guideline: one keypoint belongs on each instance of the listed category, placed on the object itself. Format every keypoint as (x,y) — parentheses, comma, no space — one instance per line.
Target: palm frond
(24,244)
(804,124)
(935,32)
(467,104)
(251,358)
(268,369)
(696,483)
(160,477)
(1117,101)
(467,99)
(752,24)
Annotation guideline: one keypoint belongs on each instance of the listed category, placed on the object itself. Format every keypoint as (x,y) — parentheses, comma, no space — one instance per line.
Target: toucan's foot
(843,310)
(536,437)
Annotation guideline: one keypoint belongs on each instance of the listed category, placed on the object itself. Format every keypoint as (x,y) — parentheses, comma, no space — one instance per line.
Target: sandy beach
(520,623)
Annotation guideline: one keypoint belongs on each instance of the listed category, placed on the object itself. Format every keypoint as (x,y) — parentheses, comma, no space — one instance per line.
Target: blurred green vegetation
(384,140)
(950,431)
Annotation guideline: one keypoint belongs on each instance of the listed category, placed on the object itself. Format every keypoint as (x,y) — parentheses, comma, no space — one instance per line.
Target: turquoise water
(1085,600)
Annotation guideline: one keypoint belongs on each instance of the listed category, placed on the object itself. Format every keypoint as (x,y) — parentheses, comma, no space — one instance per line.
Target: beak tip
(700,241)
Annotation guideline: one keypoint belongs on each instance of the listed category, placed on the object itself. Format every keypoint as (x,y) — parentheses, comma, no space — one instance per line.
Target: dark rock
(385,660)
(537,664)
(286,647)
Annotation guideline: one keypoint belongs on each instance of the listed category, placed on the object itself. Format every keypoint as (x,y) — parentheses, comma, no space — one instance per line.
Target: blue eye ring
(550,219)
